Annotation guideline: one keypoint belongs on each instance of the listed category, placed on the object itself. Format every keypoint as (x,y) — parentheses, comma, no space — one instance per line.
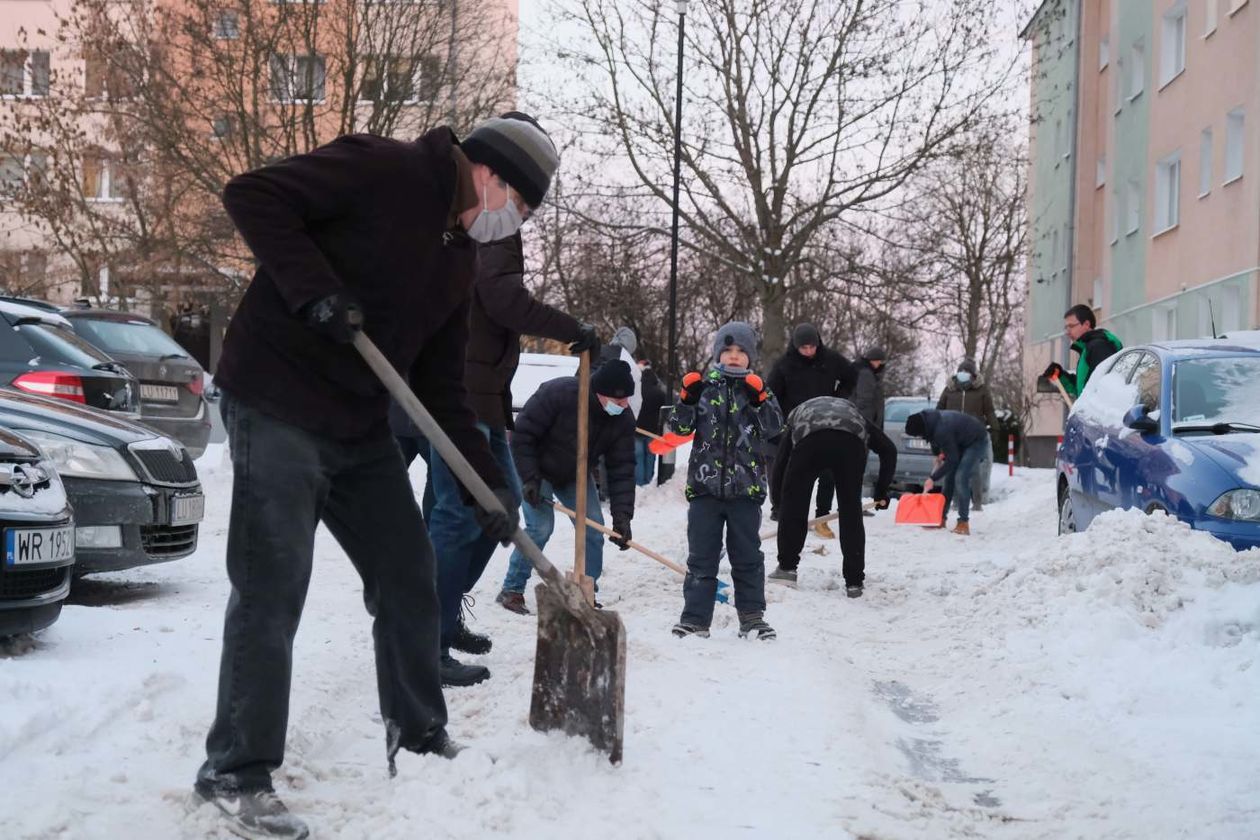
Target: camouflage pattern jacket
(730,429)
(826,413)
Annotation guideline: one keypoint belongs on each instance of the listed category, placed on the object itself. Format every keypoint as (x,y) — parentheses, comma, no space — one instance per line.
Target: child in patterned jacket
(732,413)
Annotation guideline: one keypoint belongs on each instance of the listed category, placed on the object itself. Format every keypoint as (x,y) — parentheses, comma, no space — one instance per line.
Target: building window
(24,73)
(223,127)
(1167,192)
(1137,70)
(1234,145)
(1209,17)
(297,78)
(227,26)
(101,180)
(1133,208)
(1172,46)
(102,81)
(1104,52)
(1100,171)
(399,79)
(17,170)
(1205,161)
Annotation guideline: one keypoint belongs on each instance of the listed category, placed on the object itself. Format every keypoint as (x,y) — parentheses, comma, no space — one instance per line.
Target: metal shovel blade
(579,669)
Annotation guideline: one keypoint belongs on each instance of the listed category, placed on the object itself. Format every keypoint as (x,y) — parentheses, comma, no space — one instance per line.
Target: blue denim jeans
(462,549)
(285,481)
(412,446)
(644,462)
(958,482)
(541,521)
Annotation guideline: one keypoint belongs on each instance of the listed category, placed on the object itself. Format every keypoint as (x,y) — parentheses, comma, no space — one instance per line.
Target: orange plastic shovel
(920,509)
(668,442)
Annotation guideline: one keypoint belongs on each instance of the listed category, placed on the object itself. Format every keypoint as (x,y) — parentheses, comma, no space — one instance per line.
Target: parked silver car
(914,455)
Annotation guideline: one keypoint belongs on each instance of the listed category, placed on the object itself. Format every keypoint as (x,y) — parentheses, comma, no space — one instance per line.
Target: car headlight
(81,460)
(1237,504)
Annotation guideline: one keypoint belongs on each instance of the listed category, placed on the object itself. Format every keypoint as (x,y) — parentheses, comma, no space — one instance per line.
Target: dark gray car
(36,538)
(914,455)
(171,381)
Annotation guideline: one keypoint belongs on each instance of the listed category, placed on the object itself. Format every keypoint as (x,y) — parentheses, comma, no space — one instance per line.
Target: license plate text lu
(187,509)
(28,546)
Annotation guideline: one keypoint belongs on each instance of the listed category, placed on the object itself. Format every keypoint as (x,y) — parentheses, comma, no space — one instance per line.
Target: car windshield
(58,346)
(898,411)
(1207,391)
(128,337)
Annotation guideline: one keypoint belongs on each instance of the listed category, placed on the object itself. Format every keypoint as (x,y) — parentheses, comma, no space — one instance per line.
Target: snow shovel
(921,509)
(769,535)
(580,661)
(1062,391)
(668,442)
(585,583)
(722,596)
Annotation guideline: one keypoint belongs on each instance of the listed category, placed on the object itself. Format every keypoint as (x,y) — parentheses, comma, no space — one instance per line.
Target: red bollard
(1010,454)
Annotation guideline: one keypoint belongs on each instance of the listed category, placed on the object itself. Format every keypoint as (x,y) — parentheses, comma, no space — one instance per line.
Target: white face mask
(492,225)
(613,408)
(963,377)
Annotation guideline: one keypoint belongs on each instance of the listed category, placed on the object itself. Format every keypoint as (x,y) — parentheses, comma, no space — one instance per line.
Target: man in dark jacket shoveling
(810,369)
(544,445)
(958,440)
(502,310)
(364,233)
(828,433)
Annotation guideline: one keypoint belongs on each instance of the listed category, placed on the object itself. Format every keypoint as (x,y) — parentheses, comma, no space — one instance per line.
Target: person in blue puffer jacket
(732,413)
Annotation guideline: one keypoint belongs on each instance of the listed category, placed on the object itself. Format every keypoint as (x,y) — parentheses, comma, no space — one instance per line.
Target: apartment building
(338,66)
(1144,189)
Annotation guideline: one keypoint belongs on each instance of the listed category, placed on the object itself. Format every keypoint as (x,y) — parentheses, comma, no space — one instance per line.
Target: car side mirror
(1139,419)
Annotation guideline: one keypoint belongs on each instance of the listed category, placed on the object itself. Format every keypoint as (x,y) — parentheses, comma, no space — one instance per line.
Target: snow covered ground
(1010,685)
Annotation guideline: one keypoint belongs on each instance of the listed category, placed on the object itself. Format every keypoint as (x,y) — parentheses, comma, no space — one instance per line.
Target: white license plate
(28,546)
(917,443)
(187,509)
(159,393)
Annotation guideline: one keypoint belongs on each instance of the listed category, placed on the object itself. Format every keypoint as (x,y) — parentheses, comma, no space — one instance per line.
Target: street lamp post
(673,238)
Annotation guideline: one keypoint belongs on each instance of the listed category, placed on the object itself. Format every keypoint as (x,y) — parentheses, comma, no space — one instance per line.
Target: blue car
(1172,427)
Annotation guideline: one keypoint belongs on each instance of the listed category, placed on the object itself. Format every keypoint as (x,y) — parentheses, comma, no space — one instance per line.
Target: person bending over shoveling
(828,433)
(732,413)
(372,234)
(958,440)
(545,448)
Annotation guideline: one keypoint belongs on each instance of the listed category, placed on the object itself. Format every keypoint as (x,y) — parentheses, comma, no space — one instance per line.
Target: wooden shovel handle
(1062,391)
(579,482)
(591,523)
(769,535)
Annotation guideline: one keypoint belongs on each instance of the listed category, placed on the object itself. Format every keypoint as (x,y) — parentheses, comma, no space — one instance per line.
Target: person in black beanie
(810,369)
(363,234)
(544,445)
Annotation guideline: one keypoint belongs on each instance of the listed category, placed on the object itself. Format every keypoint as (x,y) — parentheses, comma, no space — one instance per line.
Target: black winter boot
(465,639)
(256,813)
(456,674)
(754,624)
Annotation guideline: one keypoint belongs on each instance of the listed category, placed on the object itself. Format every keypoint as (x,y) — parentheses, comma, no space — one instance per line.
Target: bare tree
(173,99)
(799,113)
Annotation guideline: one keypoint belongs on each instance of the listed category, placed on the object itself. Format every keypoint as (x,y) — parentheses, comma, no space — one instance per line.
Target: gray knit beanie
(740,333)
(518,150)
(624,338)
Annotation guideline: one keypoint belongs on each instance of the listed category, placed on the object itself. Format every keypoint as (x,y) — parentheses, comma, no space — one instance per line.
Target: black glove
(586,342)
(1052,370)
(337,317)
(499,525)
(692,385)
(621,524)
(531,491)
(881,503)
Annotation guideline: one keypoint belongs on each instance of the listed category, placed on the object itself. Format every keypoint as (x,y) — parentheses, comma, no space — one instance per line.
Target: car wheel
(1067,515)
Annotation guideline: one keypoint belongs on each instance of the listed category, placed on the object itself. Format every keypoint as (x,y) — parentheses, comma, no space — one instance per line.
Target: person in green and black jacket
(1093,345)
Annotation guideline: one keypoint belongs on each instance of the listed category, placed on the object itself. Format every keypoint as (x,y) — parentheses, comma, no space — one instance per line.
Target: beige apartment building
(413,65)
(1144,190)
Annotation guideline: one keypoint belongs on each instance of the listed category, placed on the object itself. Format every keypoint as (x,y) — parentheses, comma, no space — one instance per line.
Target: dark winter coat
(795,379)
(950,432)
(654,399)
(372,216)
(731,430)
(1094,347)
(972,398)
(502,311)
(544,444)
(868,393)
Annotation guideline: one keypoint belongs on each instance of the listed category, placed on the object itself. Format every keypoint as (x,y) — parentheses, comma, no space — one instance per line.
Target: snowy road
(1010,685)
